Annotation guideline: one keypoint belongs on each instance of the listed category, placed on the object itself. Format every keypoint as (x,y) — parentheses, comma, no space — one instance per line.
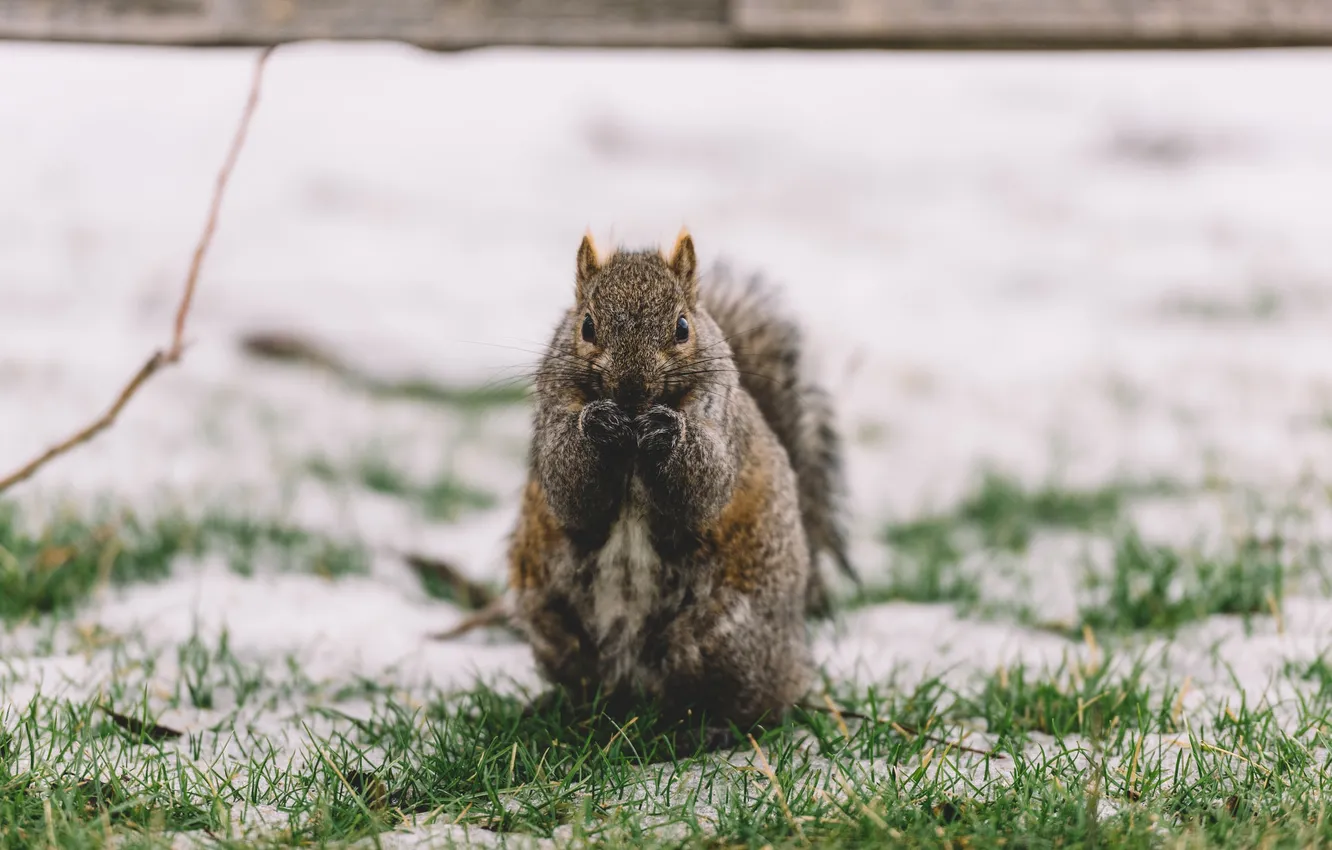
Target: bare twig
(911,731)
(487,607)
(494,614)
(215,207)
(145,372)
(171,354)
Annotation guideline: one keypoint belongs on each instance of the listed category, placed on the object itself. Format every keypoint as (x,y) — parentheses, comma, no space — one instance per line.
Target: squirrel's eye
(589,330)
(681,329)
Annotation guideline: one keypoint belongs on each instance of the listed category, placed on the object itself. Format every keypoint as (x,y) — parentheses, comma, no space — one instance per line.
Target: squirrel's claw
(606,424)
(658,430)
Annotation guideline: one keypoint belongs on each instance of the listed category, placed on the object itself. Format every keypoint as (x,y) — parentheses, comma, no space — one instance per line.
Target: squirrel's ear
(683,261)
(587,262)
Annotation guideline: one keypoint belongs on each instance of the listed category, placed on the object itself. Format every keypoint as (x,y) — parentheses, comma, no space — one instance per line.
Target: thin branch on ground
(494,615)
(172,354)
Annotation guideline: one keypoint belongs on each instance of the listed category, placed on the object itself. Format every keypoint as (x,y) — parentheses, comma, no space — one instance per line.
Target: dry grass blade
(139,729)
(777,791)
(284,347)
(173,352)
(837,715)
(471,595)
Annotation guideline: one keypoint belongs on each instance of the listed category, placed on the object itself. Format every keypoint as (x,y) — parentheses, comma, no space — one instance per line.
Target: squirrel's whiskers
(685,478)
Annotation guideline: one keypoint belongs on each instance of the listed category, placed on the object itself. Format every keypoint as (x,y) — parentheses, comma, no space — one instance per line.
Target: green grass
(1257,304)
(1000,516)
(477,398)
(1148,588)
(378,474)
(1069,701)
(1155,587)
(447,497)
(75,554)
(942,559)
(925,580)
(930,545)
(444,498)
(293,350)
(1091,753)
(1004,514)
(1318,672)
(1074,760)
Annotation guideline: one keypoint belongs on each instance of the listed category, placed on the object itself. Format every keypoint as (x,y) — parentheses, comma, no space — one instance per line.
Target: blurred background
(1067,275)
(1067,265)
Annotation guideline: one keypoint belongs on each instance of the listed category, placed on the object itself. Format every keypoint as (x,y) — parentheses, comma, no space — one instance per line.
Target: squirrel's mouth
(636,396)
(633,395)
(634,408)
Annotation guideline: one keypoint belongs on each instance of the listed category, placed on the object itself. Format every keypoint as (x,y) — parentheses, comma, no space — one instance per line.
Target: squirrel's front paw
(658,430)
(606,425)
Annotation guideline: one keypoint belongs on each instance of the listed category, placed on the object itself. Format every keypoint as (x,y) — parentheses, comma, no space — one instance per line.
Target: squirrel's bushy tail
(768,350)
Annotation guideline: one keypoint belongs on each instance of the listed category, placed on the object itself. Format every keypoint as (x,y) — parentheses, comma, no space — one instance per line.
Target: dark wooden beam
(436,24)
(1037,24)
(460,24)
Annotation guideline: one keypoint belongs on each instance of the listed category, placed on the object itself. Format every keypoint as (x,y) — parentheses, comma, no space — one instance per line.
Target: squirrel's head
(635,333)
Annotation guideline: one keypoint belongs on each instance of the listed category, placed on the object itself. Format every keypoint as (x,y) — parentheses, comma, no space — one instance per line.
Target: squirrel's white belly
(626,588)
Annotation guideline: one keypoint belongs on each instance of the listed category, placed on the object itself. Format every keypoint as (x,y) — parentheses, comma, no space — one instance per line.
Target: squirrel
(684,479)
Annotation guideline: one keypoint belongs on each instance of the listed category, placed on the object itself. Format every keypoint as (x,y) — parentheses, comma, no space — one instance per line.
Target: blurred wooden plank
(457,24)
(439,24)
(1034,23)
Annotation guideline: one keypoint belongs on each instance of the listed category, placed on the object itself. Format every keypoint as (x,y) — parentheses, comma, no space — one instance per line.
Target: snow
(1088,265)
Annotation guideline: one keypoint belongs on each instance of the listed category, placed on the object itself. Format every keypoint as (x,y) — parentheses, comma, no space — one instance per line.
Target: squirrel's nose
(630,394)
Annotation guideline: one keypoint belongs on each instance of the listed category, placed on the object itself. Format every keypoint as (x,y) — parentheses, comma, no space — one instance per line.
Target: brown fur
(661,551)
(738,536)
(537,536)
(768,349)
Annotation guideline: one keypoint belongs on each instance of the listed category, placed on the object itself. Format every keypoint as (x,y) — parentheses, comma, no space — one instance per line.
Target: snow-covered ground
(1088,265)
